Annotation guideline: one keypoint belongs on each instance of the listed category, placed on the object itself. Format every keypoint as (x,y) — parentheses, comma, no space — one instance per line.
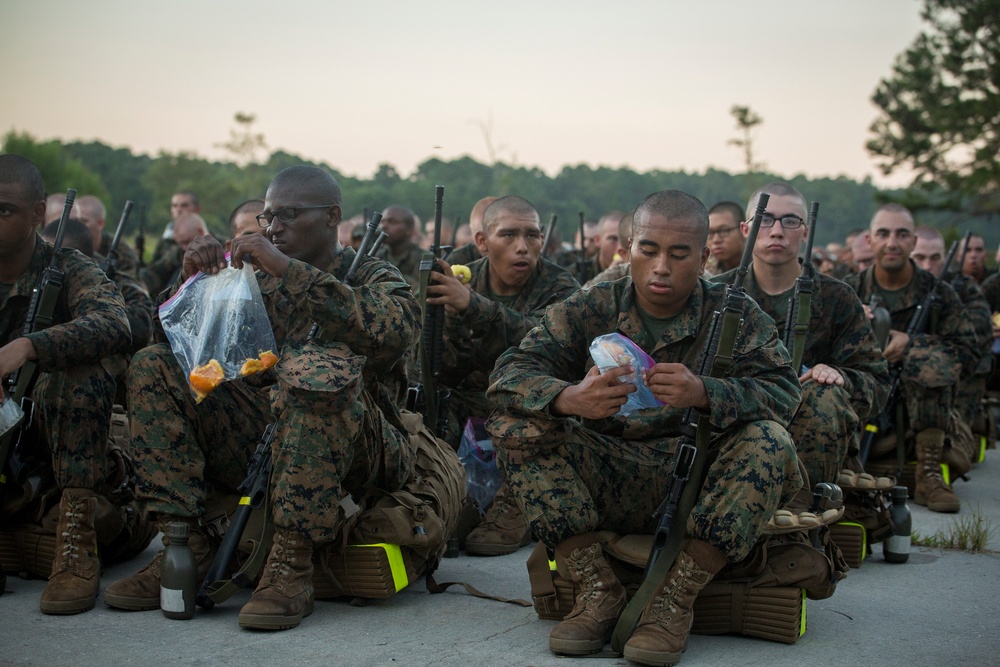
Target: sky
(643,84)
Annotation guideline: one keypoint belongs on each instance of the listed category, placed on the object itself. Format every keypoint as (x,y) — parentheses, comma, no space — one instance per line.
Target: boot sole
(266,622)
(576,646)
(67,607)
(492,549)
(656,658)
(130,603)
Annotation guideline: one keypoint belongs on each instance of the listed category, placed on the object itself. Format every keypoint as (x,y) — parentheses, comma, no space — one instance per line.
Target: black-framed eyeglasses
(721,232)
(285,215)
(787,221)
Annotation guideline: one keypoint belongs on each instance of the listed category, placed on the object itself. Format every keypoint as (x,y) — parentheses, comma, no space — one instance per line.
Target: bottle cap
(178,529)
(899,493)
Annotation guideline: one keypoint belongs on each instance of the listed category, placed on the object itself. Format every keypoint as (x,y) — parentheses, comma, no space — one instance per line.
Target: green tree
(940,108)
(746,120)
(59,171)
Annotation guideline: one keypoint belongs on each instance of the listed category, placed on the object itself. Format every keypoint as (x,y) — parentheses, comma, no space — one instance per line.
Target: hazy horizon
(647,85)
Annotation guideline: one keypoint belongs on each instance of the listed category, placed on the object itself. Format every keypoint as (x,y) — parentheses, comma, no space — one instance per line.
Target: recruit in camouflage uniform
(476,334)
(969,393)
(840,340)
(610,472)
(74,392)
(932,362)
(338,432)
(610,274)
(991,292)
(399,249)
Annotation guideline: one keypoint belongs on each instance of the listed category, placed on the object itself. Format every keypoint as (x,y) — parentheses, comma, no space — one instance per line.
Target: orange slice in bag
(262,363)
(205,378)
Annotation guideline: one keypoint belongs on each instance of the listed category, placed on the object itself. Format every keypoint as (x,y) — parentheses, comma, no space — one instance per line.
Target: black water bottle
(896,549)
(178,574)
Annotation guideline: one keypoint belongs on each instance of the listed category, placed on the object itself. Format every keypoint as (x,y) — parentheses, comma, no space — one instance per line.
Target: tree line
(117,174)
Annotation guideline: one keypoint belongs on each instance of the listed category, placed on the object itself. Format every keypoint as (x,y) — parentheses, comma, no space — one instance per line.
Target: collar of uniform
(481,276)
(685,324)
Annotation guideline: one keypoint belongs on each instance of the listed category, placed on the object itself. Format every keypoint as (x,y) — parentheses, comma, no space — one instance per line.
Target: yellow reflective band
(552,565)
(3,478)
(946,473)
(245,500)
(871,428)
(802,622)
(982,449)
(396,565)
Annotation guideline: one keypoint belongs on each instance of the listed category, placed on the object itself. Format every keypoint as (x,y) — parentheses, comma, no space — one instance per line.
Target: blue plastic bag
(613,350)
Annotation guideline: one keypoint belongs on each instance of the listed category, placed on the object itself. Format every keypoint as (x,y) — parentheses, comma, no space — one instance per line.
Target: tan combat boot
(600,598)
(76,570)
(931,489)
(141,591)
(662,632)
(285,593)
(503,530)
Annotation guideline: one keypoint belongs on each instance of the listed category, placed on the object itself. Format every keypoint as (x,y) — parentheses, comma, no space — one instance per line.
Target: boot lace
(69,557)
(280,564)
(582,564)
(664,605)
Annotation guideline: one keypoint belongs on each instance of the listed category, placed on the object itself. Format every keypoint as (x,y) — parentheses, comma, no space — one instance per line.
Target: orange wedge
(205,378)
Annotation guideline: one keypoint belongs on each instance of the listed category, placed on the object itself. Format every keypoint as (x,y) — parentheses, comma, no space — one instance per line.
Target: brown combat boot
(285,593)
(931,489)
(662,632)
(141,591)
(600,598)
(503,530)
(76,570)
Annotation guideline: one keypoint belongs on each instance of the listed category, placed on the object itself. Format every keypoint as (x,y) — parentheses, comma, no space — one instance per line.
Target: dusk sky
(639,84)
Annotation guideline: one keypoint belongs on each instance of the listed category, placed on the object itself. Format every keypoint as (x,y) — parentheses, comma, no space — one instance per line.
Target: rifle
(690,458)
(548,235)
(21,382)
(140,237)
(428,397)
(800,303)
(884,419)
(581,261)
(110,263)
(961,263)
(254,489)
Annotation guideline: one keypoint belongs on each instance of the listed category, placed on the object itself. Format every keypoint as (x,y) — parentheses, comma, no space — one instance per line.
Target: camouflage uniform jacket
(127,261)
(89,319)
(991,292)
(408,261)
(760,385)
(610,274)
(466,255)
(364,331)
(138,305)
(938,357)
(839,336)
(971,295)
(474,339)
(159,274)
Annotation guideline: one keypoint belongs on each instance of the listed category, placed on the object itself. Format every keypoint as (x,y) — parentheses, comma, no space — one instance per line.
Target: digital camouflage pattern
(583,270)
(465,255)
(408,261)
(991,292)
(970,391)
(935,360)
(73,393)
(127,260)
(609,474)
(339,430)
(158,274)
(827,423)
(612,273)
(473,340)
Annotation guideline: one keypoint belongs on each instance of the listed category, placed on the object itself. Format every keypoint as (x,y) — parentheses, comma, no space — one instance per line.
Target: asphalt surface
(940,608)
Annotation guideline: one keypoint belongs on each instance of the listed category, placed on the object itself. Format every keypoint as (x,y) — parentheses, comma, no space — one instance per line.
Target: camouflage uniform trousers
(825,428)
(969,394)
(597,482)
(186,452)
(927,407)
(73,411)
(328,446)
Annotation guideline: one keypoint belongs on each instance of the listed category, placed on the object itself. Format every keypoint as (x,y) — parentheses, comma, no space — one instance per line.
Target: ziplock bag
(613,350)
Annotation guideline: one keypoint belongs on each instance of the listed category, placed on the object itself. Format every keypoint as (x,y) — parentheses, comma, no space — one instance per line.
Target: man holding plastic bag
(338,427)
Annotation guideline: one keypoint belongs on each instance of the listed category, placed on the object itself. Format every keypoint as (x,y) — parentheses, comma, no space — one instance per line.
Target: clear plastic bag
(11,415)
(613,350)
(482,477)
(218,328)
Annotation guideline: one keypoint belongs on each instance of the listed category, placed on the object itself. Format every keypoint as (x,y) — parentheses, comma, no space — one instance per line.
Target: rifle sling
(223,589)
(692,489)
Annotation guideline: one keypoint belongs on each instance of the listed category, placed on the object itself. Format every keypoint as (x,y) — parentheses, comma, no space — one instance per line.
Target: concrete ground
(940,608)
